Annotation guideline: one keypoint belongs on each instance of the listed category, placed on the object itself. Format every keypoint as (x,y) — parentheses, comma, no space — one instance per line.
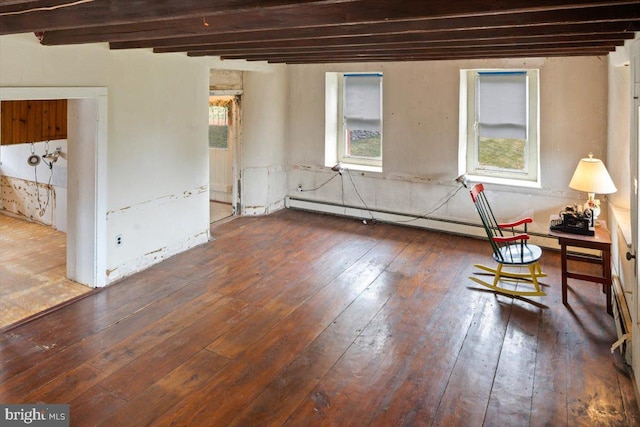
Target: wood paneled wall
(33,121)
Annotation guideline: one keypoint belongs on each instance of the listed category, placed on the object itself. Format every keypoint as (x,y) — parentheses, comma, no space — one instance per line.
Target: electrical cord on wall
(444,201)
(359,196)
(42,209)
(46,205)
(319,186)
(425,215)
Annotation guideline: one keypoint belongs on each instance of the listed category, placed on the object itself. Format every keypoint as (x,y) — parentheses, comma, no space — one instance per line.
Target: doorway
(61,261)
(224,119)
(33,209)
(86,172)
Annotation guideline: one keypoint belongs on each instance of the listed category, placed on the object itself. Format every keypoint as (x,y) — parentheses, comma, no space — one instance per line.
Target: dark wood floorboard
(304,319)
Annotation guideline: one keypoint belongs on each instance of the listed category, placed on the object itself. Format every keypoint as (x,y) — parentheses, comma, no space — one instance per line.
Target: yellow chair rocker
(510,250)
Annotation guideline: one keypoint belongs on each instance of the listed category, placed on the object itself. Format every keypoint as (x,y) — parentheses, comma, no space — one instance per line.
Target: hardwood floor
(302,319)
(33,263)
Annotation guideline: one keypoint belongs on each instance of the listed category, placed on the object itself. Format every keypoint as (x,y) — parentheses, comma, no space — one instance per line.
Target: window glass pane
(502,153)
(363,116)
(218,127)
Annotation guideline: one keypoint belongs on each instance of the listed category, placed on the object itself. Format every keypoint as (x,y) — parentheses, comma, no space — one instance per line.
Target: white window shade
(502,105)
(362,102)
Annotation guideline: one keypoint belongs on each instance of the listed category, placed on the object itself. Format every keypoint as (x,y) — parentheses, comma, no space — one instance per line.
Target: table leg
(563,257)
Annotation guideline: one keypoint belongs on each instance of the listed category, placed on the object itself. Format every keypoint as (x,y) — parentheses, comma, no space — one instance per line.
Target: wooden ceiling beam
(401,51)
(464,56)
(536,24)
(42,15)
(16,2)
(297,31)
(337,15)
(400,39)
(471,48)
(446,54)
(98,13)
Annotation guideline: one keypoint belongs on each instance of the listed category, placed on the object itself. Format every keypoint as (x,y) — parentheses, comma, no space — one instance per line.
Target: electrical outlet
(299,189)
(119,240)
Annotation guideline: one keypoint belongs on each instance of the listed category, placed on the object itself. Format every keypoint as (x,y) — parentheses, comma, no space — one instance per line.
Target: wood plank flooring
(302,319)
(33,263)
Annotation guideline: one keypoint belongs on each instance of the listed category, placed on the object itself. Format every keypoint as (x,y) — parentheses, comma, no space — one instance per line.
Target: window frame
(335,130)
(469,139)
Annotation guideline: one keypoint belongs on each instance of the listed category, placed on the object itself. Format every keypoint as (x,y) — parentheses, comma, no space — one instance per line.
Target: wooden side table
(601,242)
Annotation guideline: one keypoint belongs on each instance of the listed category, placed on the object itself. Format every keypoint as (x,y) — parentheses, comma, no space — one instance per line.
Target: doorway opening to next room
(223,140)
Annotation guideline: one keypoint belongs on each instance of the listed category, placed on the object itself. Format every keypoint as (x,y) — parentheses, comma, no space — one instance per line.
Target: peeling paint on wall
(133,243)
(263,190)
(160,201)
(154,257)
(28,200)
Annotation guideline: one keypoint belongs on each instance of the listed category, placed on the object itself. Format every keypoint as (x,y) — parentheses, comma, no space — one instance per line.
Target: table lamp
(591,176)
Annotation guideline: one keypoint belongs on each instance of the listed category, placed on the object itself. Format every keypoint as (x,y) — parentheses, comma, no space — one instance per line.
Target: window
(353,132)
(499,126)
(218,126)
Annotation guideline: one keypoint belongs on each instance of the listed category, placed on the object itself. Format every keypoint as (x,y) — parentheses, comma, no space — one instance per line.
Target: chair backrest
(488,219)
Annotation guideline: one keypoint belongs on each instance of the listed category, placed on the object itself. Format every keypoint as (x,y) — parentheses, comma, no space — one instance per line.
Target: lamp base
(594,205)
(595,210)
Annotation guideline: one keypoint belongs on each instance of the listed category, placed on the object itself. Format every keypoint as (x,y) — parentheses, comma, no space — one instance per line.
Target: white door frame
(634,151)
(86,242)
(635,227)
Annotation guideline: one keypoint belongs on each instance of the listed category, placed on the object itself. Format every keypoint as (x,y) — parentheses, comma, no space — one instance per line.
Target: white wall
(264,118)
(421,137)
(20,198)
(619,113)
(157,165)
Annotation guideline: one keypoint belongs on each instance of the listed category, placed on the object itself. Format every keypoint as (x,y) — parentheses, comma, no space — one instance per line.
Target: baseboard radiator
(404,219)
(623,279)
(623,321)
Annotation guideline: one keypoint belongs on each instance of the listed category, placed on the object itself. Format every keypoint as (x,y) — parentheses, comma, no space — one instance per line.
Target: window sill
(363,168)
(503,181)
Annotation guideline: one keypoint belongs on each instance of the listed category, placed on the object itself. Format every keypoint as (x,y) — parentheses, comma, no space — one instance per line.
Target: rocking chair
(508,250)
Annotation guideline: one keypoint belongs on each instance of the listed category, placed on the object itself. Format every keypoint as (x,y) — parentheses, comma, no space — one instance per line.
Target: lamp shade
(591,176)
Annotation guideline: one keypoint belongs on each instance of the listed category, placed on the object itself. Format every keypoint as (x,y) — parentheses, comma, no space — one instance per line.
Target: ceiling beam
(448,56)
(423,56)
(402,51)
(15,2)
(378,12)
(114,12)
(467,49)
(396,39)
(309,31)
(352,31)
(44,15)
